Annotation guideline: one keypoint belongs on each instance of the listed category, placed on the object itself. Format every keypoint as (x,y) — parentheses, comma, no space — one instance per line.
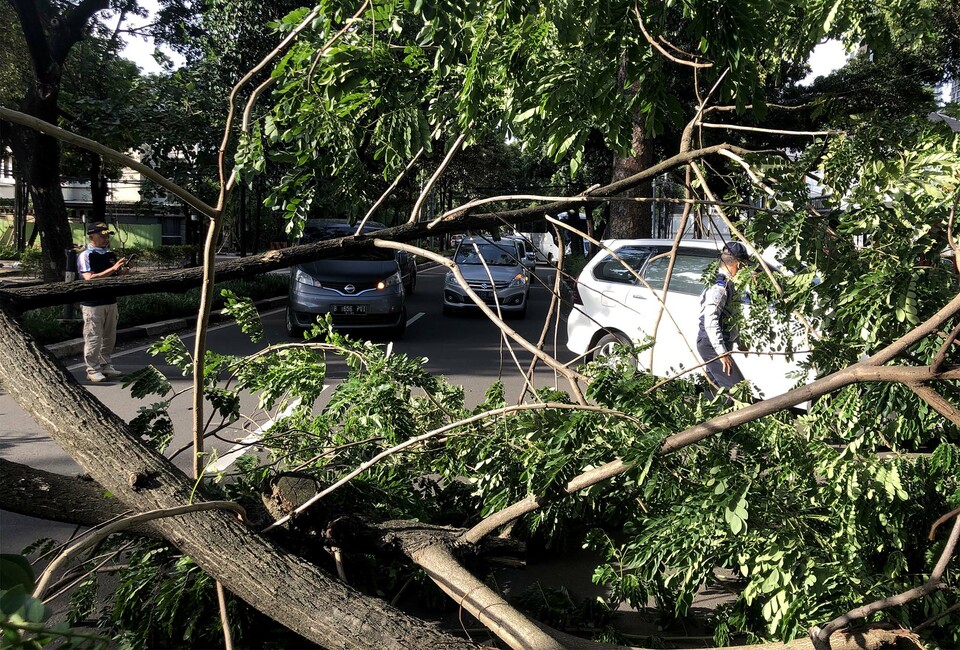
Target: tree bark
(295,593)
(98,188)
(632,219)
(82,501)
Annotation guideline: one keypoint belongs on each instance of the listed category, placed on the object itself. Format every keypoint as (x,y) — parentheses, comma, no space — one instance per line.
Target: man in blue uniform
(718,332)
(99,315)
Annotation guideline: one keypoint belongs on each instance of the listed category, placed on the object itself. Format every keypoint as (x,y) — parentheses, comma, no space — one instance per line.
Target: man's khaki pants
(99,334)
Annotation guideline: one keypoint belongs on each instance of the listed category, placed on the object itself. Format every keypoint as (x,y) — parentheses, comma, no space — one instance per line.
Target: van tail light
(577,298)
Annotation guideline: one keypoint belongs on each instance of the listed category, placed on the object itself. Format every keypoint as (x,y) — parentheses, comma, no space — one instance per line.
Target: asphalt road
(467,349)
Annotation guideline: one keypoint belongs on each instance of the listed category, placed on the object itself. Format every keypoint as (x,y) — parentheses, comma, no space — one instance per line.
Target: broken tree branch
(821,636)
(312,603)
(55,293)
(124,524)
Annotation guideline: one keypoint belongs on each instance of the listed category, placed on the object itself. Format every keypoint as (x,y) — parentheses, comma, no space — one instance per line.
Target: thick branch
(67,499)
(937,402)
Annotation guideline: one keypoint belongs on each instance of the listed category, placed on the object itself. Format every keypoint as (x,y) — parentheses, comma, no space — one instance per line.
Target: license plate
(352,310)
(484,295)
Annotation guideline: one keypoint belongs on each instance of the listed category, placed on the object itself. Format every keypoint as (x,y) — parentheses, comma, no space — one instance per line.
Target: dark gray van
(361,293)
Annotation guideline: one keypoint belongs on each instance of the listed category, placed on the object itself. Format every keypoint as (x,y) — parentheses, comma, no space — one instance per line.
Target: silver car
(363,292)
(495,270)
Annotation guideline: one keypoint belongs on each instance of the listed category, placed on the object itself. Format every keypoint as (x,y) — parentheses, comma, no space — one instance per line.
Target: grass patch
(45,326)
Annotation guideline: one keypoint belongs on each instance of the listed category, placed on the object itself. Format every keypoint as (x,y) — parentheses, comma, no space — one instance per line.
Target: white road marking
(244,445)
(415,318)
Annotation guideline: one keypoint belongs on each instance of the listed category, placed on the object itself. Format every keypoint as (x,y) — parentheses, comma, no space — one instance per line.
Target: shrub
(30,261)
(46,324)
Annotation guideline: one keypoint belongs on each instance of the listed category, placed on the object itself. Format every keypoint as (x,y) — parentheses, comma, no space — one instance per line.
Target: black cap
(737,251)
(99,228)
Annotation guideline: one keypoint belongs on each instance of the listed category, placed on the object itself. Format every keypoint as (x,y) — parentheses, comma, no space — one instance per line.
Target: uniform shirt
(716,317)
(96,260)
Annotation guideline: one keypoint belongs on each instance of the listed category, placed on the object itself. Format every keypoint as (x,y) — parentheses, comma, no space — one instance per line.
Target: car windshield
(317,233)
(491,254)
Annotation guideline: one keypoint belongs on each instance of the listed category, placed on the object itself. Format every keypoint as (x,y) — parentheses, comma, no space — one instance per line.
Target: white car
(614,307)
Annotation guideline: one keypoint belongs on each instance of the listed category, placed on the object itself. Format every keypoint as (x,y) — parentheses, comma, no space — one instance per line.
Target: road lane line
(244,445)
(415,318)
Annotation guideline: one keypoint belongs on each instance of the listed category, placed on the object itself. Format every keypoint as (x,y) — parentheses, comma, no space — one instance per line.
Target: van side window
(686,272)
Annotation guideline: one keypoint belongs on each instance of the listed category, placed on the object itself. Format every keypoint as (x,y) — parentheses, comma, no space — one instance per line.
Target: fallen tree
(540,461)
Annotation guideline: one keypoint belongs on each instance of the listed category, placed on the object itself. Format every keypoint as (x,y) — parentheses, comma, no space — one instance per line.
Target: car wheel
(293,330)
(605,349)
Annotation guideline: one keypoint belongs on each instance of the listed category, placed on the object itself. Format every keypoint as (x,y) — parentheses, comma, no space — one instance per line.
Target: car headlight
(302,277)
(392,281)
(450,278)
(519,280)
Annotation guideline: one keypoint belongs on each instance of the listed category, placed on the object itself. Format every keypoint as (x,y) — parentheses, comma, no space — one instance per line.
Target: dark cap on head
(737,251)
(99,228)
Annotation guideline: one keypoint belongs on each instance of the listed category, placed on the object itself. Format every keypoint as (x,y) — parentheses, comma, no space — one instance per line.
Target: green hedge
(47,327)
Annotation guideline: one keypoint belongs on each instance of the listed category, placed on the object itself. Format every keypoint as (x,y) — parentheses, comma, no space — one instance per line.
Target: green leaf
(147,381)
(15,570)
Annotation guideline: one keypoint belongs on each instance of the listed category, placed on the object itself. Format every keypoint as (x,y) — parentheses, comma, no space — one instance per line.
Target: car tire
(604,347)
(294,331)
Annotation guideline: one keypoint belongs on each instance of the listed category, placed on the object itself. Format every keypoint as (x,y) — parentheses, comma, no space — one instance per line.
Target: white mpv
(614,307)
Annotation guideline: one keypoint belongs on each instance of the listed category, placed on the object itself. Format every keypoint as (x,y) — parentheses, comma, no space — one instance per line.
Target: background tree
(50,31)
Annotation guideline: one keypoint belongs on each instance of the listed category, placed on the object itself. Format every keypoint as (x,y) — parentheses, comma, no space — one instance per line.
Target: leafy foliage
(23,618)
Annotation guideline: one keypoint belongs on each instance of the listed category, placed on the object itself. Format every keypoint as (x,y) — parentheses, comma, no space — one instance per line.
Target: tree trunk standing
(98,188)
(49,37)
(39,158)
(631,219)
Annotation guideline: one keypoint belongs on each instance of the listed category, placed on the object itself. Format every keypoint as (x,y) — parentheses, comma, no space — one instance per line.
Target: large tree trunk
(279,584)
(49,38)
(632,219)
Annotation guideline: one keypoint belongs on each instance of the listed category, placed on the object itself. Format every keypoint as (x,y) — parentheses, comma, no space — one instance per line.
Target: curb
(74,347)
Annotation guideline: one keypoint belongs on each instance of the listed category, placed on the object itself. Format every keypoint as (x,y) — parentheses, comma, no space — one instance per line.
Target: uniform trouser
(99,334)
(714,368)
